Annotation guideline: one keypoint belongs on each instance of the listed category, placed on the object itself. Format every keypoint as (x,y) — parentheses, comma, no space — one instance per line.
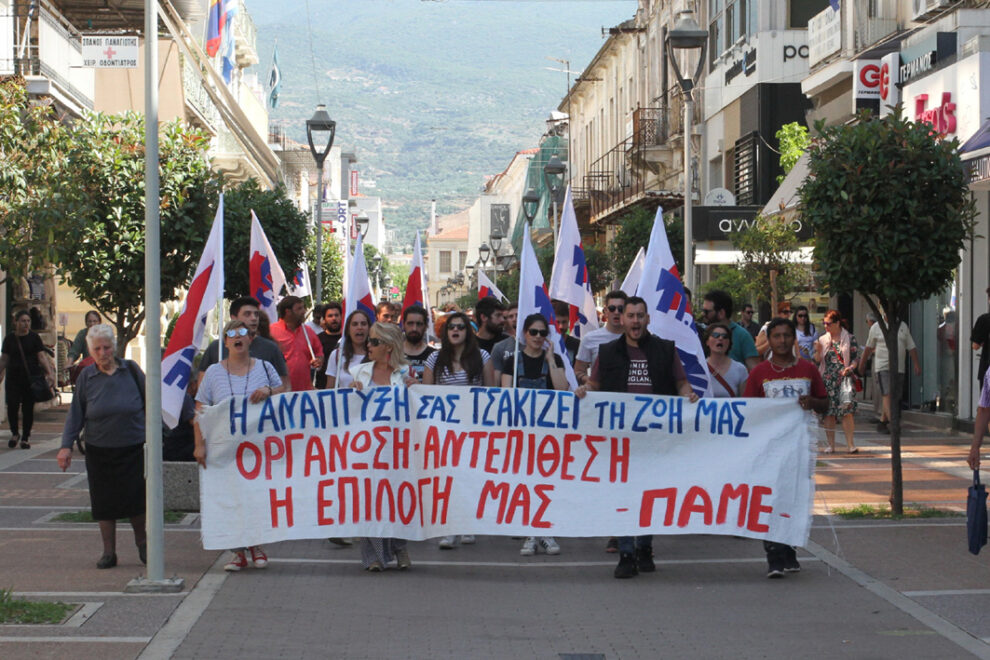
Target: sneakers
(236,563)
(528,548)
(626,567)
(467,539)
(644,560)
(402,559)
(448,542)
(549,545)
(776,570)
(791,564)
(612,546)
(258,556)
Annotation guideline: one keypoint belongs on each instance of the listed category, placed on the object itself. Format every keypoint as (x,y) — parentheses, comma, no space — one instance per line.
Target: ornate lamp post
(553,177)
(530,203)
(320,128)
(687,35)
(363,222)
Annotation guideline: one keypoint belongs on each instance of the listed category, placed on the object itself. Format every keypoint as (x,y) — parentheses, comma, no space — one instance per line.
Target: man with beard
(248,310)
(488,317)
(300,345)
(331,320)
(503,350)
(639,363)
(414,324)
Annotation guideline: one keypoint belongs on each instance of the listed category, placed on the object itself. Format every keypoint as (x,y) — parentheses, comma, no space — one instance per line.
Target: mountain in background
(432,96)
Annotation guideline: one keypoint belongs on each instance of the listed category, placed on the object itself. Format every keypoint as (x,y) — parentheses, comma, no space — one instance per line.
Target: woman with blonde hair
(386,367)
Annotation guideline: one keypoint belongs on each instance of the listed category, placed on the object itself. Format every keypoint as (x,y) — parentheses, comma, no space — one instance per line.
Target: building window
(461,260)
(730,20)
(801,11)
(444,261)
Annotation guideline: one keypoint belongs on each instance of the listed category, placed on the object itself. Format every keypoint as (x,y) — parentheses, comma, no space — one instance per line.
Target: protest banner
(430,461)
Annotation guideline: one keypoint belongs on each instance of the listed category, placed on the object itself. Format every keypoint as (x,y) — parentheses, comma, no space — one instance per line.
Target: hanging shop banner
(431,461)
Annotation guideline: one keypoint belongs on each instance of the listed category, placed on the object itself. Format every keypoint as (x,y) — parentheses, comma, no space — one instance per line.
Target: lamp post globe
(320,129)
(363,222)
(553,177)
(530,203)
(687,35)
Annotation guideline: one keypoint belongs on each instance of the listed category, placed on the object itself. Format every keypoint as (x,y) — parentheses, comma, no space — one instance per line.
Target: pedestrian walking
(22,358)
(728,376)
(837,355)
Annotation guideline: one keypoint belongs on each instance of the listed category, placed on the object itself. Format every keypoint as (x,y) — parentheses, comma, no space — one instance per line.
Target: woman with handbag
(837,355)
(109,403)
(728,376)
(24,358)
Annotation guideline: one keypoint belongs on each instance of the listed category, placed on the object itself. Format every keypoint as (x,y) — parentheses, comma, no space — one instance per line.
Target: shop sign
(866,84)
(720,223)
(942,118)
(926,56)
(824,35)
(745,64)
(978,169)
(890,89)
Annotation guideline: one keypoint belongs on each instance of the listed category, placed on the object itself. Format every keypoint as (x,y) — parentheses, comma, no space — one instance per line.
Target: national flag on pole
(535,299)
(359,285)
(487,288)
(214,27)
(205,291)
(668,307)
(274,80)
(266,278)
(227,40)
(416,286)
(634,274)
(300,286)
(569,281)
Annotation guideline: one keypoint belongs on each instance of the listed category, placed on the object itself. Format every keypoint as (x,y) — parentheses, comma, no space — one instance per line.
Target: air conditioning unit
(920,9)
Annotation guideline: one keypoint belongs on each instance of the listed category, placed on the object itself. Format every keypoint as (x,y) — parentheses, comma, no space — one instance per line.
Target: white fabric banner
(430,461)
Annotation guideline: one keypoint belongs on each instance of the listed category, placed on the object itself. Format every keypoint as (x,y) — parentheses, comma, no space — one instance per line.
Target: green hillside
(433,96)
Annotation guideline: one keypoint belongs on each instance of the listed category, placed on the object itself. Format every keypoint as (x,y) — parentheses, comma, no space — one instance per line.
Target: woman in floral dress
(837,355)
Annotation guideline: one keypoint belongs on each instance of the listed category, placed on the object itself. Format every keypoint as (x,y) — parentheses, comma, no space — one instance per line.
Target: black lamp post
(553,177)
(363,222)
(530,202)
(376,269)
(687,35)
(319,128)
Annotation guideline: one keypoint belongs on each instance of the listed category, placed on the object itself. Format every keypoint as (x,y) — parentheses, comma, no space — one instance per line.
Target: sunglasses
(237,332)
(374,341)
(533,332)
(615,308)
(456,326)
(826,323)
(802,316)
(719,335)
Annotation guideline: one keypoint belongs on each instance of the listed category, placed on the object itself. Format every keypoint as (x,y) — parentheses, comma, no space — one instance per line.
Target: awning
(786,199)
(978,145)
(715,257)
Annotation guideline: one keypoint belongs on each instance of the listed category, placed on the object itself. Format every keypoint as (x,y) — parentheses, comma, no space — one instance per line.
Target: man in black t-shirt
(488,316)
(414,323)
(330,337)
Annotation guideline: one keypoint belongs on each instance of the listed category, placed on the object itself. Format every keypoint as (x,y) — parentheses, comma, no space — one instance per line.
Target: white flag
(265,275)
(569,281)
(635,273)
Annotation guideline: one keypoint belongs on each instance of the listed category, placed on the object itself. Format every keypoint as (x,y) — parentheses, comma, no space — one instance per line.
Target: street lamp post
(318,128)
(496,241)
(530,203)
(553,176)
(687,35)
(376,269)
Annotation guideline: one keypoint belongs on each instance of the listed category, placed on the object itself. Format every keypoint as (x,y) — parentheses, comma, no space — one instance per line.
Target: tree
(104,261)
(32,160)
(768,265)
(635,228)
(284,225)
(333,265)
(793,139)
(889,203)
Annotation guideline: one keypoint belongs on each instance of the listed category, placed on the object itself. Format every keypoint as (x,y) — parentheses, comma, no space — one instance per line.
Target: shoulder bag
(41,391)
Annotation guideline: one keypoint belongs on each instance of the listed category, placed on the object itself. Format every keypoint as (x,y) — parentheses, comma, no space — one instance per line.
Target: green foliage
(19,611)
(728,278)
(32,162)
(634,232)
(333,265)
(882,512)
(890,208)
(793,139)
(284,225)
(600,268)
(768,268)
(105,178)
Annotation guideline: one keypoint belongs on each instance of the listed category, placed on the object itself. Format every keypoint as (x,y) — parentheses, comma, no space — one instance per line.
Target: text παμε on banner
(430,461)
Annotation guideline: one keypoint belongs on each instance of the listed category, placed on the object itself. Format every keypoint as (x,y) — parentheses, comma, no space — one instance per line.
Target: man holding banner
(639,363)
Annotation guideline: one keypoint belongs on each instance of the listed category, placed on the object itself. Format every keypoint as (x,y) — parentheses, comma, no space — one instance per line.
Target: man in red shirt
(784,376)
(300,345)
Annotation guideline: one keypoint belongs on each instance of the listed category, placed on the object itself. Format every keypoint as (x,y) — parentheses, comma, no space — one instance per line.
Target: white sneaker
(467,539)
(549,545)
(448,542)
(529,547)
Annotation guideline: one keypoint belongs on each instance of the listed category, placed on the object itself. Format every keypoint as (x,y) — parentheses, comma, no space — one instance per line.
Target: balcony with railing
(245,39)
(198,101)
(49,49)
(875,20)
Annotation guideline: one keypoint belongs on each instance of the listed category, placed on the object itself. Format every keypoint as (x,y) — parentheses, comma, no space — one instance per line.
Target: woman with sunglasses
(386,367)
(541,369)
(728,376)
(355,349)
(458,362)
(807,333)
(837,355)
(238,375)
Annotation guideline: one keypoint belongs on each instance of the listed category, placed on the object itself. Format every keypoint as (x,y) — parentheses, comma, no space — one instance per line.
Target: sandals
(14,439)
(828,450)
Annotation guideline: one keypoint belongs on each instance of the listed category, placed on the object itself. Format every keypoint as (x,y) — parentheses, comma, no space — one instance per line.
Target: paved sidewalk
(877,589)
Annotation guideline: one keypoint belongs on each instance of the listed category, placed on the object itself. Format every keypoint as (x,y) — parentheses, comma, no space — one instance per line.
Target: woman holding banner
(355,348)
(542,369)
(386,367)
(458,362)
(238,375)
(728,376)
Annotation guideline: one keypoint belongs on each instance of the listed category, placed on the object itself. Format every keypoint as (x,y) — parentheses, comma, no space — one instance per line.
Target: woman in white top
(458,362)
(807,333)
(354,345)
(240,375)
(386,367)
(728,376)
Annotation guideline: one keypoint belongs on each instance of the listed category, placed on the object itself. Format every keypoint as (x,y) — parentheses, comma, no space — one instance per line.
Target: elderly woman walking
(109,403)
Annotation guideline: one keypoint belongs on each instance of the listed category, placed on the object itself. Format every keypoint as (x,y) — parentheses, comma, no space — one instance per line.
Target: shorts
(883,382)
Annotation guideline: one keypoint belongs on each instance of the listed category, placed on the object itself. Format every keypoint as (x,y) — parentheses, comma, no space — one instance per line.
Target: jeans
(626,543)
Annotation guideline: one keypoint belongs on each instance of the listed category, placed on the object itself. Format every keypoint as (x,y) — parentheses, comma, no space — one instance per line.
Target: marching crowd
(254,358)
